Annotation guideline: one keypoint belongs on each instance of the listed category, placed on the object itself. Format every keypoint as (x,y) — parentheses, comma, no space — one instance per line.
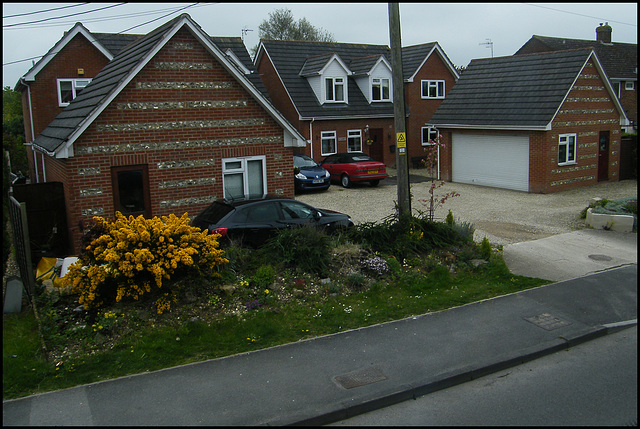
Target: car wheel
(345,181)
(374,182)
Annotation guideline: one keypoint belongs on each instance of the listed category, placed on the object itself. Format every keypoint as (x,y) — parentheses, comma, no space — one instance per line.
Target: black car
(252,221)
(308,175)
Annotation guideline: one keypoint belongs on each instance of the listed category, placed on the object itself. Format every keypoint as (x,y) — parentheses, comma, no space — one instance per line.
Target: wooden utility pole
(402,163)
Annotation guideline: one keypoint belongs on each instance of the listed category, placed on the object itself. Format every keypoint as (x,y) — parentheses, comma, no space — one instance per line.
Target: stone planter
(620,223)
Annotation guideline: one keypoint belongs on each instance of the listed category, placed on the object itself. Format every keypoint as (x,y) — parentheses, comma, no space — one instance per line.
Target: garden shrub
(305,247)
(485,248)
(264,277)
(133,257)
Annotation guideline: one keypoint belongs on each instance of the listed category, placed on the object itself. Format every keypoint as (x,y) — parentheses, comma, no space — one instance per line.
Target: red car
(354,167)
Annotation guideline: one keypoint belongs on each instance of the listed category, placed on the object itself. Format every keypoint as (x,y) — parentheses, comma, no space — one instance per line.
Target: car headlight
(327,174)
(300,176)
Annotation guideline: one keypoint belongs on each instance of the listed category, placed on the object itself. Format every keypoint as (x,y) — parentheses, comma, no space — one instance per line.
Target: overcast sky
(462,30)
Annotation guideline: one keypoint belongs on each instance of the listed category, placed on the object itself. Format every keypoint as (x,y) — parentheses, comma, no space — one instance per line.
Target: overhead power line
(64,16)
(43,11)
(579,14)
(101,19)
(121,32)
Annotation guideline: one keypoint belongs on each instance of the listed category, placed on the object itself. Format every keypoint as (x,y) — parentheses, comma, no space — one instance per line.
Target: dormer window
(334,89)
(380,89)
(68,89)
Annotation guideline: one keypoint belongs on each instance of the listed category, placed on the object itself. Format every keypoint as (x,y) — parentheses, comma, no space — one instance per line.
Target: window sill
(565,164)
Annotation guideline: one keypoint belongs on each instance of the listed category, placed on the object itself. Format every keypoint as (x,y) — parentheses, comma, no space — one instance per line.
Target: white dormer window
(334,89)
(68,89)
(381,89)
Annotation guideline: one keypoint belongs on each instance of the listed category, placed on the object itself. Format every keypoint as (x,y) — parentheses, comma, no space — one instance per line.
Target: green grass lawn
(197,329)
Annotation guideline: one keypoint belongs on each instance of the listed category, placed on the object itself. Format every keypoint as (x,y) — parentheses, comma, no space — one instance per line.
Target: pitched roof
(517,92)
(108,44)
(620,60)
(413,57)
(115,43)
(59,136)
(289,58)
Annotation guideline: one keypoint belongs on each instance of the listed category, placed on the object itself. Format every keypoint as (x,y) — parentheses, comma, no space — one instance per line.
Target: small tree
(282,26)
(430,162)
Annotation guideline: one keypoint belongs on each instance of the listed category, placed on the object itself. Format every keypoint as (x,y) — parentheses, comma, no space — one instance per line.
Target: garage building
(536,123)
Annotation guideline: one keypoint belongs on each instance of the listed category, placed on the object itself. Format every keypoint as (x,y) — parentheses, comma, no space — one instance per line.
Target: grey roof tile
(289,58)
(520,91)
(94,94)
(413,56)
(619,60)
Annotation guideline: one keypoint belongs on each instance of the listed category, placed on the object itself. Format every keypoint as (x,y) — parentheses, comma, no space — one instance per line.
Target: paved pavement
(575,254)
(338,376)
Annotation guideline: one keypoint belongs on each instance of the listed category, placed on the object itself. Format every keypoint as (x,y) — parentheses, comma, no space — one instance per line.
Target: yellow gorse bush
(134,257)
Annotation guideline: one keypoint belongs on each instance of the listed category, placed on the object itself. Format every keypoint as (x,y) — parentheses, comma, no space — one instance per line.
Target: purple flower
(376,264)
(252,304)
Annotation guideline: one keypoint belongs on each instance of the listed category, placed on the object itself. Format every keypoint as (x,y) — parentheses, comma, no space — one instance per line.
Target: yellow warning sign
(401,140)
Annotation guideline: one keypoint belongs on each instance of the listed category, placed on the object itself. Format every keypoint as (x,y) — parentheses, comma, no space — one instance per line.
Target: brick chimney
(603,33)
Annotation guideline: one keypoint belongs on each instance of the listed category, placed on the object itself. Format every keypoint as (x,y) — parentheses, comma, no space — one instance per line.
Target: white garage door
(500,161)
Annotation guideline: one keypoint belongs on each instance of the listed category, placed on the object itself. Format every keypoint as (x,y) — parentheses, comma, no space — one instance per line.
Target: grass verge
(194,331)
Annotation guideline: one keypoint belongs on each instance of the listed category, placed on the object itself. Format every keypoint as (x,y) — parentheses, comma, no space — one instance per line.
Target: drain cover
(361,377)
(547,321)
(600,257)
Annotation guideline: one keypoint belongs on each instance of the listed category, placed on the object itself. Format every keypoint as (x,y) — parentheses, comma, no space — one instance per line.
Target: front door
(375,150)
(603,156)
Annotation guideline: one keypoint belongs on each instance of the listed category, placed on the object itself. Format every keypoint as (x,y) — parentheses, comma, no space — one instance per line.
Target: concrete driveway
(542,234)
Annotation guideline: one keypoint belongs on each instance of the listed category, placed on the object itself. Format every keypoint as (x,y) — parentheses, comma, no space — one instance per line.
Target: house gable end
(119,73)
(60,45)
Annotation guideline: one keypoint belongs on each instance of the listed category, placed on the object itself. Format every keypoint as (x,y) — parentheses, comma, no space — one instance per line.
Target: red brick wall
(587,111)
(278,93)
(102,146)
(629,101)
(341,127)
(78,53)
(421,110)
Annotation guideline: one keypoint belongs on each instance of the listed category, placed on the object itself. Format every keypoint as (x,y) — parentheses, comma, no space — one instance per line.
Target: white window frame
(335,82)
(379,82)
(566,141)
(354,134)
(243,170)
(438,85)
(629,86)
(431,131)
(328,135)
(76,87)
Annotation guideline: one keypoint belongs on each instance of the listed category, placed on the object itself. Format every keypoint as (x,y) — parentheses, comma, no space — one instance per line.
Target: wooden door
(375,150)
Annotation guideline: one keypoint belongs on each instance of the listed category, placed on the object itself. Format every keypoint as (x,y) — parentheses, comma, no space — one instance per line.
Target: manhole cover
(600,257)
(361,377)
(547,321)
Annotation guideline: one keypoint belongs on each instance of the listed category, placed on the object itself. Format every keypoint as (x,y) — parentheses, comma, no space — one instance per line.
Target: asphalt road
(594,383)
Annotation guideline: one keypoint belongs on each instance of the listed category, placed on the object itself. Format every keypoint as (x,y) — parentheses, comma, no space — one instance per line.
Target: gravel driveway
(503,216)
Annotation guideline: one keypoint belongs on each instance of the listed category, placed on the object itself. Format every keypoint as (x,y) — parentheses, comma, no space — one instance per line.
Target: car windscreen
(214,213)
(360,158)
(301,162)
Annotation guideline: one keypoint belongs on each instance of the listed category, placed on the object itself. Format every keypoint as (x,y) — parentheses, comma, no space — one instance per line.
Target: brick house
(619,61)
(59,76)
(174,121)
(539,123)
(340,95)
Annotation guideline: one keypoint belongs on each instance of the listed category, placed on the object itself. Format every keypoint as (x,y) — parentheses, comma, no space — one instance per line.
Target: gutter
(494,127)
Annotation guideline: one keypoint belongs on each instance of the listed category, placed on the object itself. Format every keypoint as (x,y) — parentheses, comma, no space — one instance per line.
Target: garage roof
(516,92)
